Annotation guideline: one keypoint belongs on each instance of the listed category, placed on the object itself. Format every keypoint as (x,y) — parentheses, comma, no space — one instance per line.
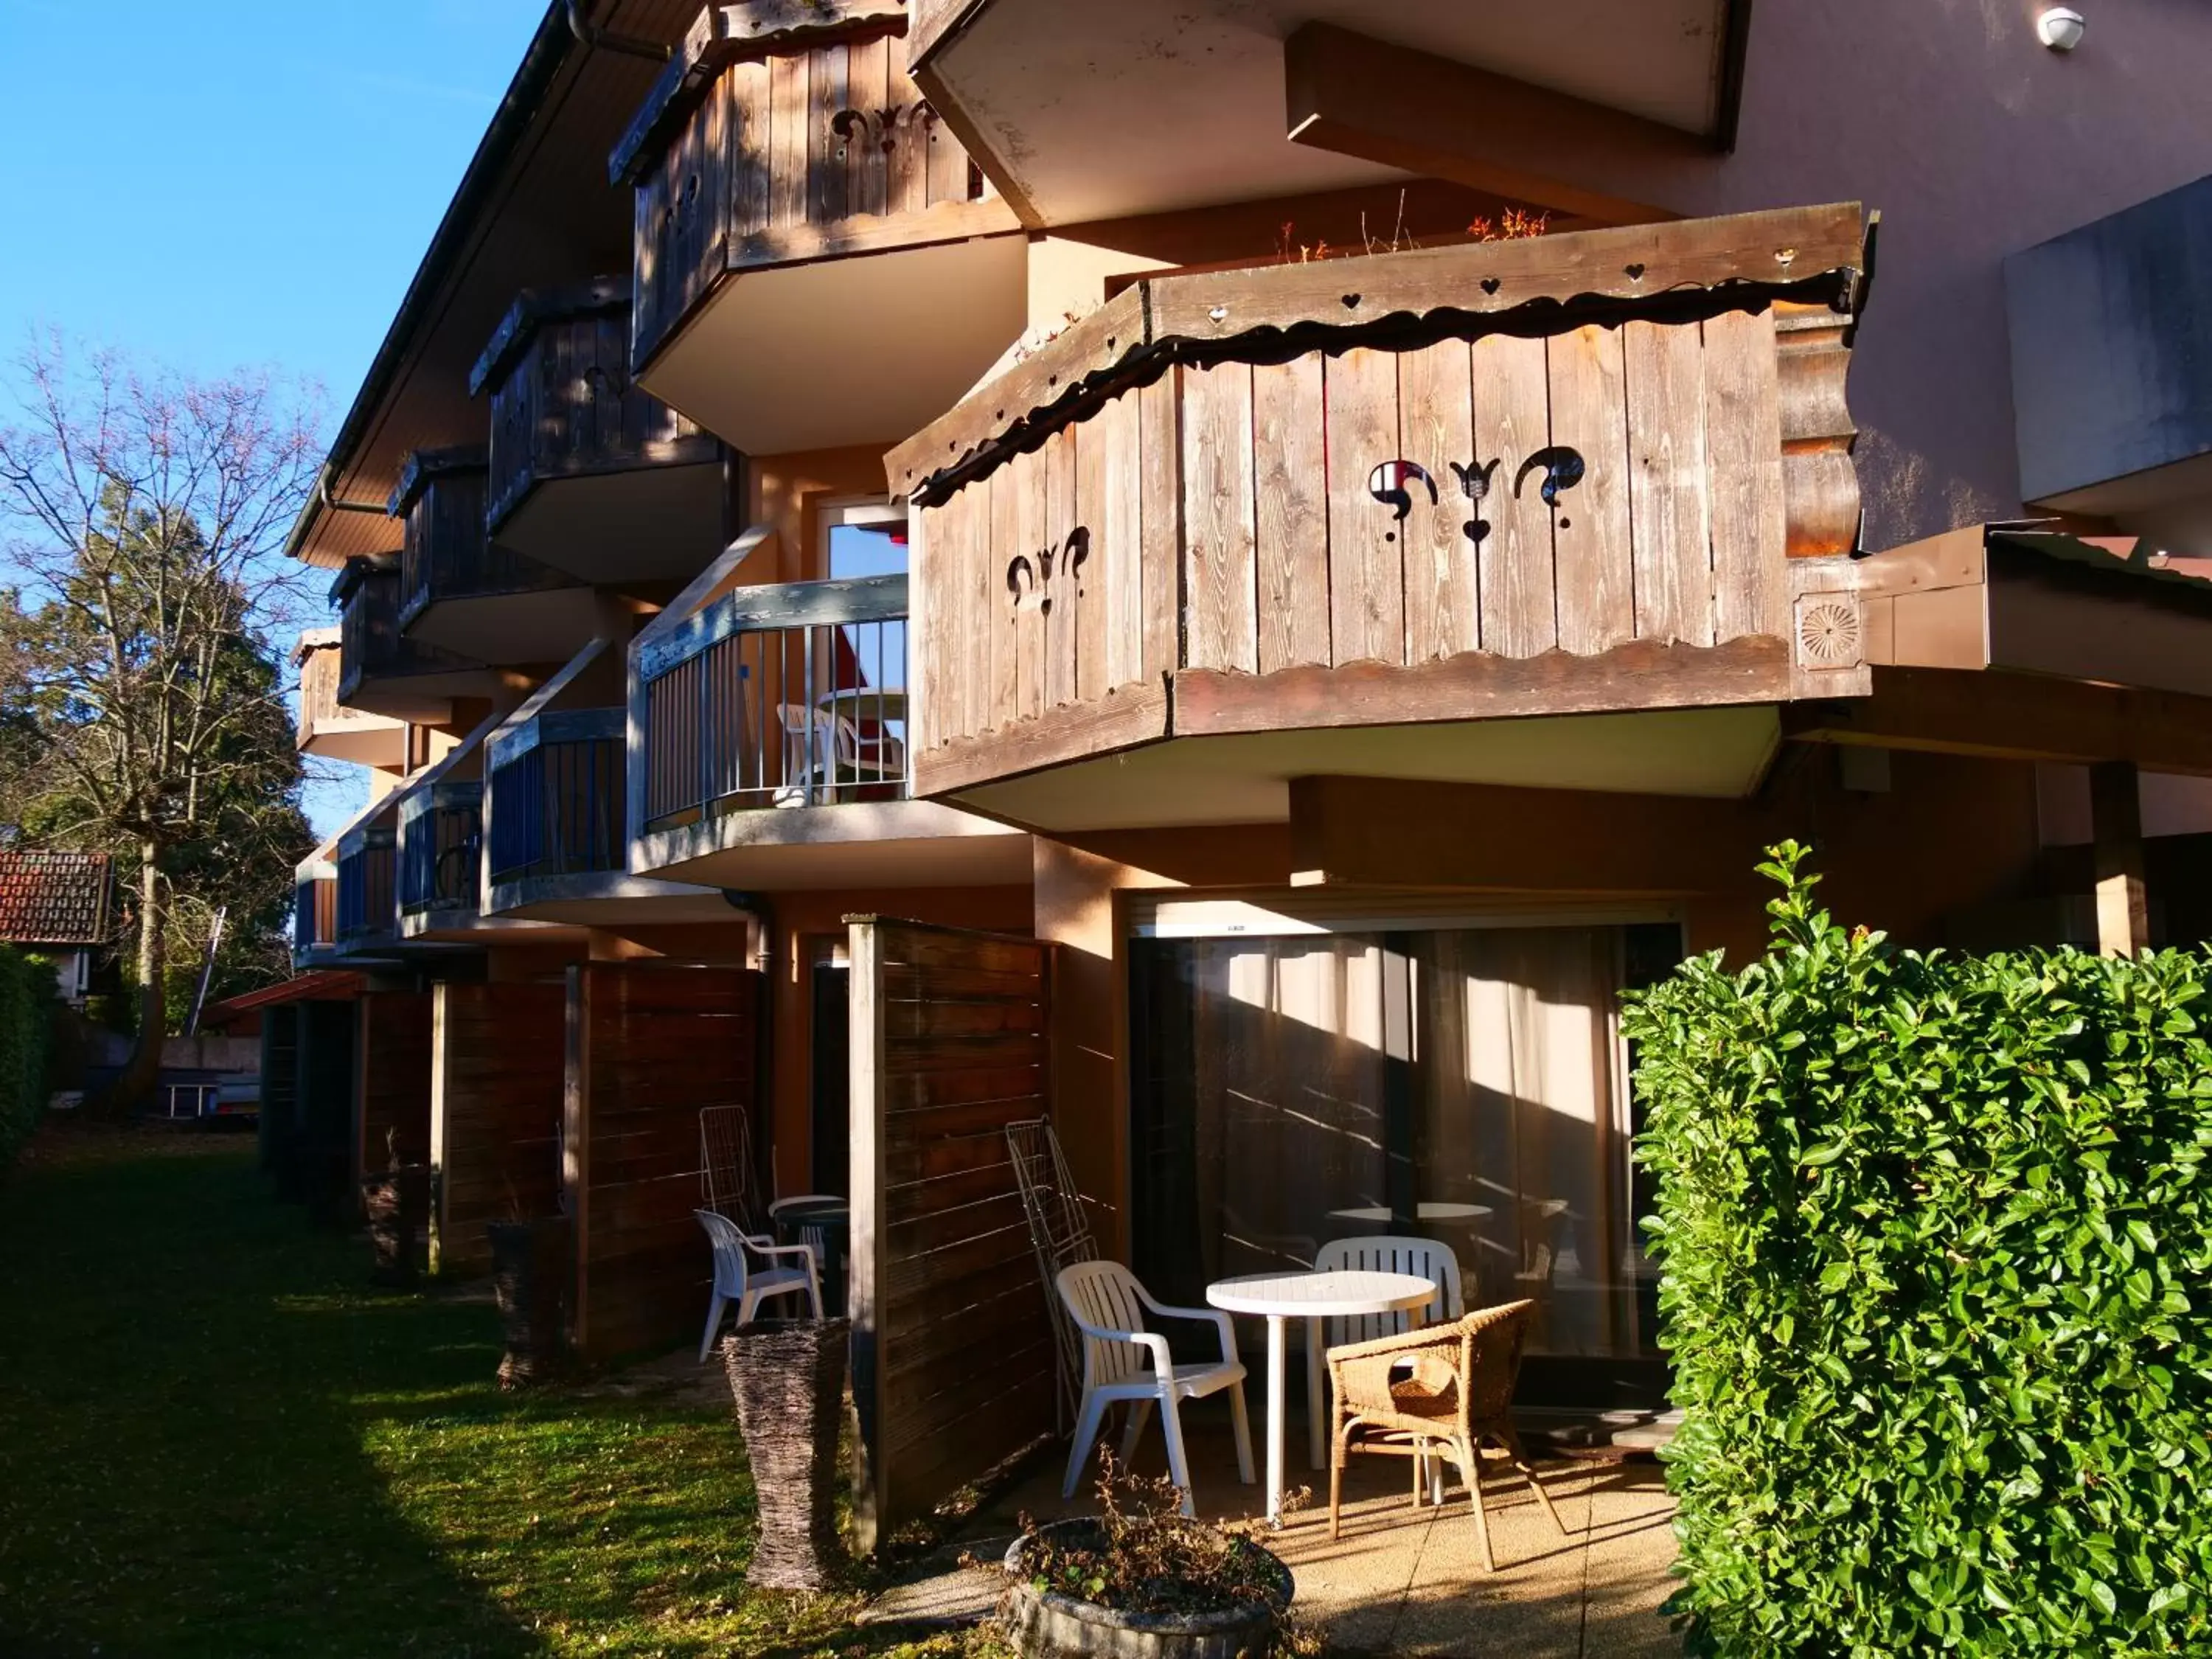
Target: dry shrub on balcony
(1936,1237)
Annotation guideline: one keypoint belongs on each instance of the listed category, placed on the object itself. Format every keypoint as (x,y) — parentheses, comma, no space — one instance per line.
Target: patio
(1399,1581)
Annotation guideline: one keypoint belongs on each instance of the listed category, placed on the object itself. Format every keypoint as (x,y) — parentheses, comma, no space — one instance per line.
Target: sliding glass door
(1460,1083)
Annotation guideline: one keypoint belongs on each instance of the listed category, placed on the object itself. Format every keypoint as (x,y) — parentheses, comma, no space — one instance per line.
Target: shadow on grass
(215,1440)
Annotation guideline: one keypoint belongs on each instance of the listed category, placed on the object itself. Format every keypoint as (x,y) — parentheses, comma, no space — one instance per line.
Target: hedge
(26,1009)
(1936,1238)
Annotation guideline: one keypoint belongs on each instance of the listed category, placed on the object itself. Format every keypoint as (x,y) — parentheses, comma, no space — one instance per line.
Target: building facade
(1231,575)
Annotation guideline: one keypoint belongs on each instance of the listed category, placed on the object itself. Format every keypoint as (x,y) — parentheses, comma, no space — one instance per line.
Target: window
(1464,1083)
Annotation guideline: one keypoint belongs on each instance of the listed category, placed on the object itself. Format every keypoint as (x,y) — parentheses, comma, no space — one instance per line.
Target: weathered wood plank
(1005,702)
(1592,558)
(1436,427)
(1117,546)
(750,142)
(1366,556)
(867,69)
(1743,450)
(828,182)
(1056,460)
(1290,483)
(1122,719)
(1087,583)
(1665,369)
(907,189)
(787,146)
(1028,477)
(1640,674)
(1218,518)
(1514,560)
(1160,416)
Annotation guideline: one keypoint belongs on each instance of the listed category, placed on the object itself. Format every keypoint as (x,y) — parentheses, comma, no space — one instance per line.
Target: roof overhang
(1157,105)
(533,208)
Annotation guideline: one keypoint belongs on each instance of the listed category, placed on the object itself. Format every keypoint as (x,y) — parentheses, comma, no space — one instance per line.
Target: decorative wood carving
(1654,502)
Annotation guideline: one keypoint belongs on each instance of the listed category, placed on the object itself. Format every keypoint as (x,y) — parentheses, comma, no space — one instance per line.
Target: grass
(215,1439)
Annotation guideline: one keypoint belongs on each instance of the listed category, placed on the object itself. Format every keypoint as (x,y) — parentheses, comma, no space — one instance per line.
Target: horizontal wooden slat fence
(497,1069)
(952,1355)
(649,1045)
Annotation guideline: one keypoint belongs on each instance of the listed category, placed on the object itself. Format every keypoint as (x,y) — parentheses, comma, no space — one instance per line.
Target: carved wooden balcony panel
(589,473)
(459,590)
(1601,471)
(784,136)
(326,727)
(381,670)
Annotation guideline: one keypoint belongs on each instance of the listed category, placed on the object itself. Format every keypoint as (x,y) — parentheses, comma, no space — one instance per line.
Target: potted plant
(532,1261)
(788,1380)
(1140,1581)
(397,1199)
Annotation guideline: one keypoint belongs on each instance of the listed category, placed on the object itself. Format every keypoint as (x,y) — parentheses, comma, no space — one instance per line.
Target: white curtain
(1459,1083)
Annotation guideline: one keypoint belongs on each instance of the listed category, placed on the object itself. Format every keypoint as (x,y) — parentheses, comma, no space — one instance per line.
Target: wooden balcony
(440,848)
(326,727)
(804,217)
(460,591)
(1398,515)
(382,671)
(768,745)
(590,475)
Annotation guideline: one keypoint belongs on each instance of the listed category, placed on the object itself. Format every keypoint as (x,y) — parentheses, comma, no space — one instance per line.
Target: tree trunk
(134,1087)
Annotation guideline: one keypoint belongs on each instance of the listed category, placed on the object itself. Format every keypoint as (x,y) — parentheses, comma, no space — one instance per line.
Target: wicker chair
(1457,1393)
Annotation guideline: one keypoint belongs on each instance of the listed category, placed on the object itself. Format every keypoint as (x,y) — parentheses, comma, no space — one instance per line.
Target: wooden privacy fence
(649,1044)
(495,1084)
(394,1093)
(952,1355)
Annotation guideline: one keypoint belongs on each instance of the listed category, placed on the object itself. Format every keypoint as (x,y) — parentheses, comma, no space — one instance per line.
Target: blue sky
(238,183)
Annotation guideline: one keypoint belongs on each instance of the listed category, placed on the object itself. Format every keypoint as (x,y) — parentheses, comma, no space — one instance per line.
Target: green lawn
(215,1439)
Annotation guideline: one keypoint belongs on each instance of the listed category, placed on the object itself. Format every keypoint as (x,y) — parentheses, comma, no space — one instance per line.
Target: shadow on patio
(1400,1580)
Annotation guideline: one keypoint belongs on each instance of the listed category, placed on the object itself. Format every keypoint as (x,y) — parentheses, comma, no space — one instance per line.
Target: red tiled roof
(324,985)
(54,899)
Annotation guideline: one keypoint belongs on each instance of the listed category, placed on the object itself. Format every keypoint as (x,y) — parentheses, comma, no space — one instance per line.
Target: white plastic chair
(736,1281)
(1425,1258)
(1108,1307)
(1383,1254)
(823,748)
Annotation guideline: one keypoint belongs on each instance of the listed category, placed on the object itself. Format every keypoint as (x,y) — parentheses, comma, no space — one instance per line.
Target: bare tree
(147,511)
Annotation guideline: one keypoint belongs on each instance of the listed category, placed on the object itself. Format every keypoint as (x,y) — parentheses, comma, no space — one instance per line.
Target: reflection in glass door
(1465,1084)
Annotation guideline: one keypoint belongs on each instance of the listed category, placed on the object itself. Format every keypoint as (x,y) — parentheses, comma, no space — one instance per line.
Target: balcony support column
(2123,900)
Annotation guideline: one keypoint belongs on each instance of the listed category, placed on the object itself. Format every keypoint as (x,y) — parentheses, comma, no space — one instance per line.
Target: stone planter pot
(1045,1624)
(788,1379)
(397,1205)
(530,1265)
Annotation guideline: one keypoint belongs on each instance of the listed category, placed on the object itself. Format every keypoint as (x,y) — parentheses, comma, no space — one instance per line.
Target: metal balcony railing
(440,847)
(367,866)
(558,795)
(789,695)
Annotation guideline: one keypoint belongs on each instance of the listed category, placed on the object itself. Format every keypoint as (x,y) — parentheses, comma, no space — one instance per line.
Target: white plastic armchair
(737,1280)
(1124,1361)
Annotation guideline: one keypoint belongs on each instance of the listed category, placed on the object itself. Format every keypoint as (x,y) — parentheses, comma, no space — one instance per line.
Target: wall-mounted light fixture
(2060,28)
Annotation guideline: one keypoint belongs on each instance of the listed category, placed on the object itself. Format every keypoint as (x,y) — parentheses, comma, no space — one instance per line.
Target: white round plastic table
(1312,1297)
(1437,1211)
